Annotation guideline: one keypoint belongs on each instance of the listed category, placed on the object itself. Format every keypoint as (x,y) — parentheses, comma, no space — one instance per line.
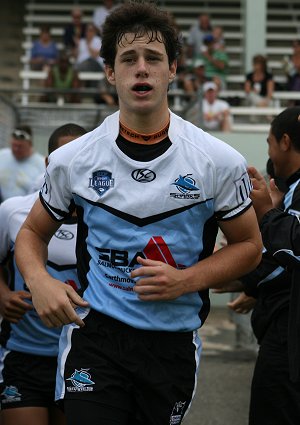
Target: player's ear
(110,74)
(285,142)
(172,71)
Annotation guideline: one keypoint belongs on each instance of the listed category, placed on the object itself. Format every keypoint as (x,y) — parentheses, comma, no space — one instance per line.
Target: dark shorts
(145,375)
(28,381)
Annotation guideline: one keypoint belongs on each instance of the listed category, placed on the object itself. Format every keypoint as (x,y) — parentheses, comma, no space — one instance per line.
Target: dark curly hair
(288,121)
(139,18)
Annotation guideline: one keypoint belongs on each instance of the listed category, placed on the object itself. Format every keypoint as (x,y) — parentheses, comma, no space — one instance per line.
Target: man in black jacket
(275,394)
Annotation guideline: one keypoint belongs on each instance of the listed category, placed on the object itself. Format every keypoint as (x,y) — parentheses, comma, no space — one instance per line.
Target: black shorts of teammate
(28,381)
(275,399)
(116,374)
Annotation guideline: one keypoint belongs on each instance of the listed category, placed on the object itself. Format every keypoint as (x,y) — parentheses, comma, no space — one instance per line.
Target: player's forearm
(229,263)
(4,289)
(31,263)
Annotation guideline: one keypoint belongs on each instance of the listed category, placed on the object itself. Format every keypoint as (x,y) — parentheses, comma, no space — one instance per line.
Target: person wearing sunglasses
(20,164)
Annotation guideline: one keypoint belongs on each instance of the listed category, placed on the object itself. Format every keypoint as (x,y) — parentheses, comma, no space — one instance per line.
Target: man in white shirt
(19,164)
(216,112)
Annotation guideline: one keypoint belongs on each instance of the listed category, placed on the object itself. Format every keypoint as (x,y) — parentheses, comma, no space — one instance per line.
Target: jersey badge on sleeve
(101,181)
(243,187)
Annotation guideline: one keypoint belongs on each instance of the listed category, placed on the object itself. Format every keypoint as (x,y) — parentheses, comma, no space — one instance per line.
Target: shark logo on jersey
(11,394)
(101,181)
(177,412)
(81,381)
(185,185)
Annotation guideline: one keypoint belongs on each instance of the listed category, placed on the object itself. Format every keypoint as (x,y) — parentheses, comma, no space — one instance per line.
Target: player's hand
(276,194)
(157,281)
(242,304)
(13,305)
(55,303)
(259,195)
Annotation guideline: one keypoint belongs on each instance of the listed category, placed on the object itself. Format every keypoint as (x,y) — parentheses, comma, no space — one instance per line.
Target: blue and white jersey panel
(30,335)
(165,209)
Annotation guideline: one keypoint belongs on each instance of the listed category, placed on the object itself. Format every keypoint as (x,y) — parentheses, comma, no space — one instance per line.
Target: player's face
(277,155)
(142,75)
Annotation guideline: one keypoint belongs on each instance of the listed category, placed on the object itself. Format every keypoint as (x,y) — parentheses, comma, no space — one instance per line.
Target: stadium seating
(283,24)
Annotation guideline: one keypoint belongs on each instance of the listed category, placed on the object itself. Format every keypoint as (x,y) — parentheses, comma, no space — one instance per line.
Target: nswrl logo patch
(101,181)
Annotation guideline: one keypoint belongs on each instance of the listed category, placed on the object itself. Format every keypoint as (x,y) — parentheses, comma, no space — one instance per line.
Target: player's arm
(52,299)
(160,281)
(13,304)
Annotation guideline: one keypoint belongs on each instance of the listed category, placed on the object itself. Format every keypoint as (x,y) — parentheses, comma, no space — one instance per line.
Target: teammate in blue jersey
(28,348)
(150,191)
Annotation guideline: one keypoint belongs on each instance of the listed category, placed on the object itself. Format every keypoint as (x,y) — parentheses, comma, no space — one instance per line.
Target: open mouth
(142,88)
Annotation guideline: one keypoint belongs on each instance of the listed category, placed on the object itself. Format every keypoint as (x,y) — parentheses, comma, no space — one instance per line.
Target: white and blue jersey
(164,209)
(30,335)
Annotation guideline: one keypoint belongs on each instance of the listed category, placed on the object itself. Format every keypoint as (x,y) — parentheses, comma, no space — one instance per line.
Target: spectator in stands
(87,58)
(196,34)
(102,12)
(74,31)
(219,42)
(287,61)
(215,61)
(44,51)
(216,112)
(194,79)
(20,165)
(62,76)
(259,84)
(294,79)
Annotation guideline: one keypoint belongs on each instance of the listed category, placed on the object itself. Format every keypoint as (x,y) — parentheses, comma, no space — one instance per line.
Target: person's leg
(27,396)
(125,376)
(25,416)
(166,377)
(275,400)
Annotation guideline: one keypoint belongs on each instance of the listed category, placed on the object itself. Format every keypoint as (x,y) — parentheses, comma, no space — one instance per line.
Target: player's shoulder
(92,140)
(202,144)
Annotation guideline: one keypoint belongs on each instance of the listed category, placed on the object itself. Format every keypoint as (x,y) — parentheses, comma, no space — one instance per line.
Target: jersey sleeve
(233,185)
(56,194)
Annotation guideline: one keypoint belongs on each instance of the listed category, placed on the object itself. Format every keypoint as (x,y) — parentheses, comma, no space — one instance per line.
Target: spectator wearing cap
(216,112)
(20,165)
(215,61)
(195,79)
